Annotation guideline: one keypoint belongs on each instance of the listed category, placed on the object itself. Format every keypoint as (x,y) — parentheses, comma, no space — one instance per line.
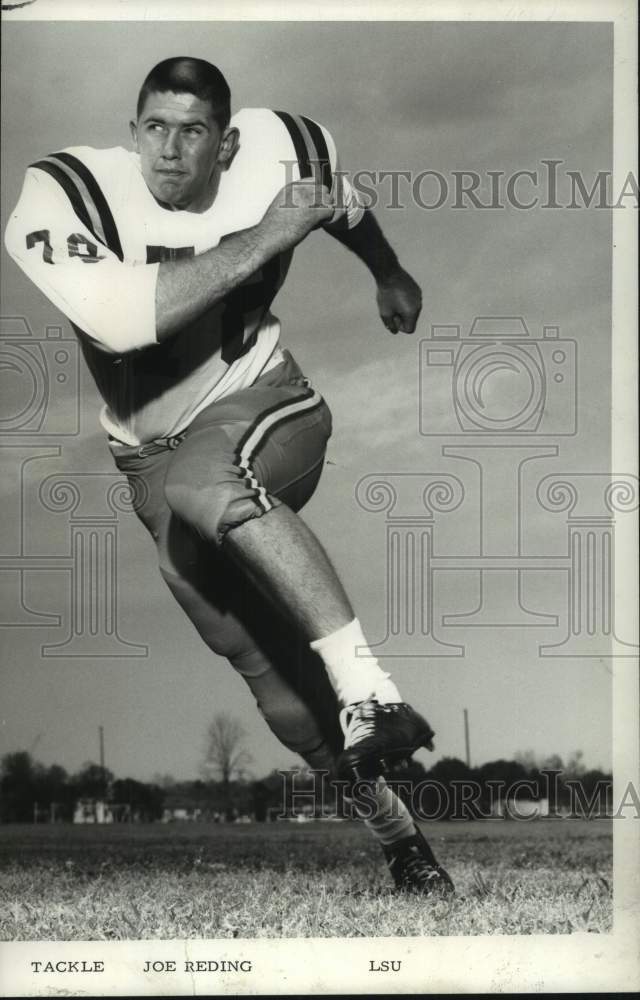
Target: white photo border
(563,963)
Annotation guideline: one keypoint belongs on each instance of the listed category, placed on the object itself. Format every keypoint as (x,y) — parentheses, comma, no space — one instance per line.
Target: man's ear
(133,128)
(228,145)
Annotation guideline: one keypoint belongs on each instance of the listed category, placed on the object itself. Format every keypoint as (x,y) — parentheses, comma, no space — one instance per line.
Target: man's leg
(285,559)
(234,625)
(284,696)
(295,698)
(291,568)
(240,460)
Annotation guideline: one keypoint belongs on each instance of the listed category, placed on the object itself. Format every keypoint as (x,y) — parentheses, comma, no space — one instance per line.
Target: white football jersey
(89,233)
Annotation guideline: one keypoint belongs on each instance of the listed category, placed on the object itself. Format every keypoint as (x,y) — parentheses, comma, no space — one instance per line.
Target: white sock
(391,820)
(354,677)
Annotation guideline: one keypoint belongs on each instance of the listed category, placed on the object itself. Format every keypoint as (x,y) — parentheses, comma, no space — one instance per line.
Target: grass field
(297,880)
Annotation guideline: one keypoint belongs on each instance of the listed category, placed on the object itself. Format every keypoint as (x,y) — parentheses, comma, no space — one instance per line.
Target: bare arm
(122,306)
(399,297)
(187,288)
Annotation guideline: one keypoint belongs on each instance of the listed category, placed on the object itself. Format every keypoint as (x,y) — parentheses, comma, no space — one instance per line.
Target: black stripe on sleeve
(321,150)
(102,207)
(71,192)
(299,144)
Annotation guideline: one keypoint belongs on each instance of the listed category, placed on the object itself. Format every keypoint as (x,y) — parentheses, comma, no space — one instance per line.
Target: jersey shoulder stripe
(297,139)
(86,197)
(322,153)
(310,146)
(94,190)
(71,191)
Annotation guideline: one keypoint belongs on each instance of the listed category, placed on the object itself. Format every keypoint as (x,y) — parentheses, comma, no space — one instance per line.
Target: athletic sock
(354,676)
(384,814)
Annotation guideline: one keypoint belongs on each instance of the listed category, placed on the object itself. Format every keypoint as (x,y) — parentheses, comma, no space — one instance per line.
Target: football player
(166,261)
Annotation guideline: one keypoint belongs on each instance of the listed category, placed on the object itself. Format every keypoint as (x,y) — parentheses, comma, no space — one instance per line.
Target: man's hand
(399,301)
(298,208)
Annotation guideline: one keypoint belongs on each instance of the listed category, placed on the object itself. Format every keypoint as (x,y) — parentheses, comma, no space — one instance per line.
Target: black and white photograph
(318,549)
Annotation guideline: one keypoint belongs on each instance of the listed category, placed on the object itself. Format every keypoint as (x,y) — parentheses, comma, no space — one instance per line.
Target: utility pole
(101,735)
(466,737)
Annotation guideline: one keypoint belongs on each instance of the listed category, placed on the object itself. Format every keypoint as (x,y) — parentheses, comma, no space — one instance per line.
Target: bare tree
(226,756)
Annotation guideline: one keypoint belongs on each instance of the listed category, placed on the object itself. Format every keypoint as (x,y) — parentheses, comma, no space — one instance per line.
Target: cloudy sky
(411,97)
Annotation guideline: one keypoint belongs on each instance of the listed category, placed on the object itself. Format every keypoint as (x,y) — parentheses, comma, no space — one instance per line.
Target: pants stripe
(255,435)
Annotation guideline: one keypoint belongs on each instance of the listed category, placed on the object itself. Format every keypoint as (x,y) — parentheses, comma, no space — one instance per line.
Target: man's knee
(203,505)
(186,499)
(291,721)
(218,627)
(214,495)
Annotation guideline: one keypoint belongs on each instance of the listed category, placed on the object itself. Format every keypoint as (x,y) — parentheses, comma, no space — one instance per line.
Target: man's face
(181,147)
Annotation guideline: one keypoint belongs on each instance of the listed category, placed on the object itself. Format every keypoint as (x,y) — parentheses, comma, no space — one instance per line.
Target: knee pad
(220,630)
(289,718)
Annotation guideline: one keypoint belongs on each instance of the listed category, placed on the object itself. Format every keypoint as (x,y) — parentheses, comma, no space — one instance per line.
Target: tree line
(31,791)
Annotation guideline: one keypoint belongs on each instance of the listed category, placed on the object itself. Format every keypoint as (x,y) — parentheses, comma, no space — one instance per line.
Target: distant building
(98,811)
(519,808)
(190,814)
(529,808)
(92,811)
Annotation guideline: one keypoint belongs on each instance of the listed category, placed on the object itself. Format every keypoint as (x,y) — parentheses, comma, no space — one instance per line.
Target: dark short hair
(184,75)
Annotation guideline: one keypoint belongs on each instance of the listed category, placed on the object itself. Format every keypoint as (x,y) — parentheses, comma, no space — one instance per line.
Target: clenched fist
(399,301)
(298,208)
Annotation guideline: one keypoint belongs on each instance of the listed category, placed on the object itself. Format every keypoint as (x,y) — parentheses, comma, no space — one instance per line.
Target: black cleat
(378,736)
(415,869)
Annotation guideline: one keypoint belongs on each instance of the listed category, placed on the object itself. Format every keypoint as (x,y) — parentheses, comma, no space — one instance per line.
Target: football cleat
(415,869)
(377,736)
